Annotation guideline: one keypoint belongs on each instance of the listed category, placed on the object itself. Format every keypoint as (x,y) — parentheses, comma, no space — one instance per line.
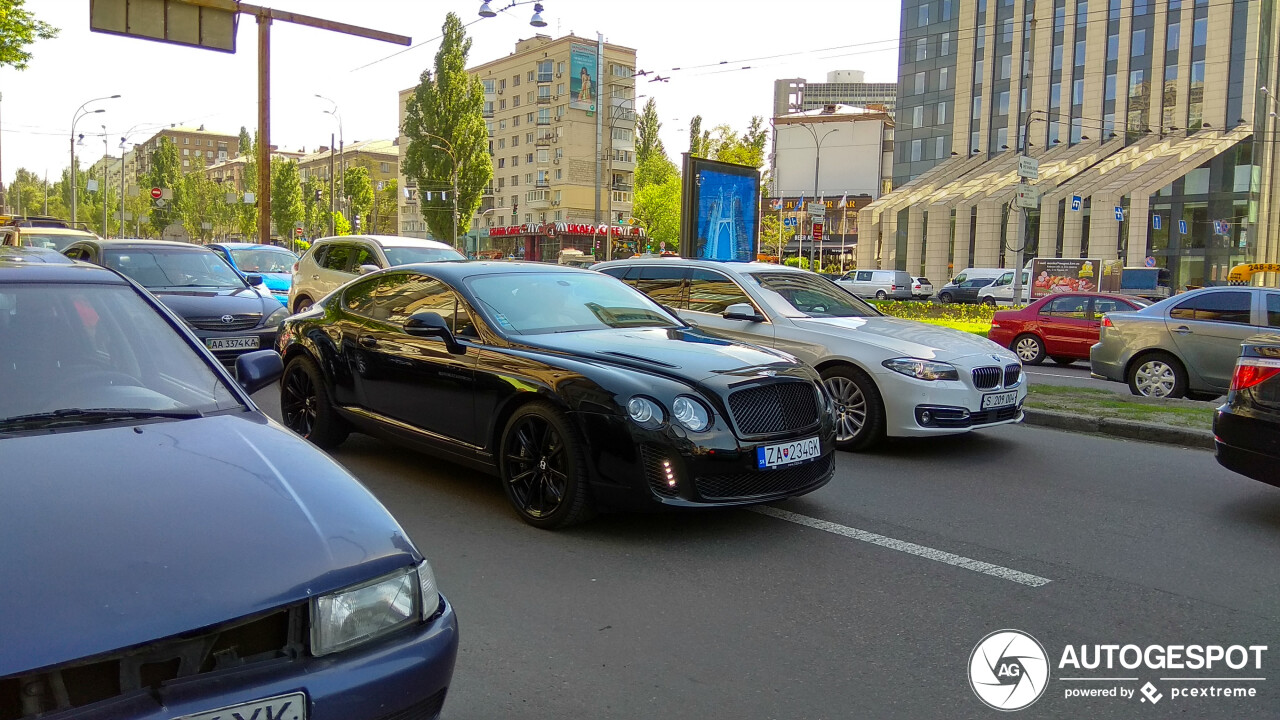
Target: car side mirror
(256,370)
(366,269)
(254,279)
(431,324)
(741,311)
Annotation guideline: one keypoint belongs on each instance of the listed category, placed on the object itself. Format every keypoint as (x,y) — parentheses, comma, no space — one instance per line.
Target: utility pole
(105,182)
(332,180)
(1022,179)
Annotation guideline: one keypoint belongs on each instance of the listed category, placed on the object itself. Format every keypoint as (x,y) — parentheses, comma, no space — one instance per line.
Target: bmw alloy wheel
(1155,378)
(851,406)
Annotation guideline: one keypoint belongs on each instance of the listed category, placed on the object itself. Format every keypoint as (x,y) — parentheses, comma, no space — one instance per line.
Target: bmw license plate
(998,400)
(281,707)
(788,453)
(235,343)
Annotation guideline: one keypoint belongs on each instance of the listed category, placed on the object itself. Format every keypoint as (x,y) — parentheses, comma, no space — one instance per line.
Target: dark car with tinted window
(581,392)
(222,307)
(1246,429)
(167,551)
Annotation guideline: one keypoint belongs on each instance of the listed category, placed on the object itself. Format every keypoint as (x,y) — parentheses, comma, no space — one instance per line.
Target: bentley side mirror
(431,324)
(741,311)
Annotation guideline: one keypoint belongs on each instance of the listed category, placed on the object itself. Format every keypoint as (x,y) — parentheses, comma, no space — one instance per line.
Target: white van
(1001,291)
(879,284)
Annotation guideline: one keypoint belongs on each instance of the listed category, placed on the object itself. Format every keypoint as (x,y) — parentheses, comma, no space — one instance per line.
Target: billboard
(583,83)
(1059,275)
(720,210)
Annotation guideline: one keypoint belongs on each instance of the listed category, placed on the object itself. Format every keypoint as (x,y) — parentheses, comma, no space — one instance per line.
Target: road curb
(1128,429)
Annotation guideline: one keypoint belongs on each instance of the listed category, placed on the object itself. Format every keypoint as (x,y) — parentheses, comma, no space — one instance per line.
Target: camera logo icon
(1008,670)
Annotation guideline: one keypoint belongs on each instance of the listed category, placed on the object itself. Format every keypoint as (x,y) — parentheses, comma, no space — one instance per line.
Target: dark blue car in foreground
(170,552)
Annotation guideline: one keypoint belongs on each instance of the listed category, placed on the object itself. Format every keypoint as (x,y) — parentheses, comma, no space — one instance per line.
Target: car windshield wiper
(82,416)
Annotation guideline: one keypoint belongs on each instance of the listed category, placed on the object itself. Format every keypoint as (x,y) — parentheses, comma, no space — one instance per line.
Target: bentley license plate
(234,343)
(281,707)
(788,453)
(999,400)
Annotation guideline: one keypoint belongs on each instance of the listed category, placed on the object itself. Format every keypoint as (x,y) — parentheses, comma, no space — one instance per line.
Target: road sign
(1028,197)
(1151,262)
(156,193)
(170,21)
(817,209)
(1028,167)
(1155,222)
(1119,214)
(1076,200)
(91,185)
(249,198)
(160,203)
(817,232)
(1182,226)
(206,226)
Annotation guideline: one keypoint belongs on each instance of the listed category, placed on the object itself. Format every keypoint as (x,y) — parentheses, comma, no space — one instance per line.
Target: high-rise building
(843,87)
(561,119)
(1153,123)
(197,147)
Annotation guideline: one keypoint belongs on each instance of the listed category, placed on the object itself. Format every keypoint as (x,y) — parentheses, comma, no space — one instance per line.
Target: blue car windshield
(175,267)
(536,303)
(264,260)
(67,348)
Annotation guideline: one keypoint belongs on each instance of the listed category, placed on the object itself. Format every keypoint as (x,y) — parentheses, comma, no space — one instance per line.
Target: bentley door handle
(368,341)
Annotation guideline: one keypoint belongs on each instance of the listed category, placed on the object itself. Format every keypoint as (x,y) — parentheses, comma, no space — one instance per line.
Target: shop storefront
(543,242)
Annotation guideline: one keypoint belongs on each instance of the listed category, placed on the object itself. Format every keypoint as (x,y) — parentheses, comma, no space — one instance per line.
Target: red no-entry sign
(155,193)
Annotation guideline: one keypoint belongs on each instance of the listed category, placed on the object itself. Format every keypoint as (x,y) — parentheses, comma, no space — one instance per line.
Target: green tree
(726,145)
(699,139)
(194,204)
(287,208)
(384,208)
(773,234)
(358,190)
(165,173)
(246,142)
(315,210)
(449,105)
(648,143)
(657,209)
(340,225)
(18,29)
(26,193)
(247,213)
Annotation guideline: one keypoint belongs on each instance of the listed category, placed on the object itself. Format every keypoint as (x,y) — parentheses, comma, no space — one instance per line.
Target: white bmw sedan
(887,376)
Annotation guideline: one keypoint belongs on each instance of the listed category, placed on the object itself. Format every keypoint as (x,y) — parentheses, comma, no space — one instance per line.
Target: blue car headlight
(923,369)
(691,413)
(358,614)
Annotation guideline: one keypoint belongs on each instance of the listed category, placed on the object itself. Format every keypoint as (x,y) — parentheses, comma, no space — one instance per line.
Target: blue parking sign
(1182,226)
(1155,222)
(1119,214)
(1076,200)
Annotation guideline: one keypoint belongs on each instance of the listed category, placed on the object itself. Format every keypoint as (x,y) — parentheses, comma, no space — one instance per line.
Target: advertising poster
(583,83)
(1112,274)
(1058,275)
(720,210)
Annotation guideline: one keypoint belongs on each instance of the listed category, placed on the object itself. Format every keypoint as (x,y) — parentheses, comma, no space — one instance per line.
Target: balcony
(544,139)
(545,77)
(486,204)
(622,187)
(544,99)
(544,121)
(621,198)
(537,199)
(546,183)
(621,114)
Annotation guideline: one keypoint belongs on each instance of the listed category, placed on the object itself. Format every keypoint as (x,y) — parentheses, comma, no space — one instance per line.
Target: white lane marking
(929,553)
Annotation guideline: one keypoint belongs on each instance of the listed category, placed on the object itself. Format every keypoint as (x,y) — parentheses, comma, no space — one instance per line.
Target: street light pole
(342,152)
(1026,213)
(75,118)
(817,158)
(105,181)
(454,174)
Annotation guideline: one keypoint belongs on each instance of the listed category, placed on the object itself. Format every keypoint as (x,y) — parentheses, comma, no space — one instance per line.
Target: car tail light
(295,267)
(1106,321)
(994,324)
(892,288)
(1253,371)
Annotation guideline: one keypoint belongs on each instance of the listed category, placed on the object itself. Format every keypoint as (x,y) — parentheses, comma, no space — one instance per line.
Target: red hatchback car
(1062,326)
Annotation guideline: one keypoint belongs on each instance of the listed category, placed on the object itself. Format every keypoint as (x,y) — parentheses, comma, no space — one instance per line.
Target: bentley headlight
(691,413)
(923,369)
(356,615)
(645,412)
(276,317)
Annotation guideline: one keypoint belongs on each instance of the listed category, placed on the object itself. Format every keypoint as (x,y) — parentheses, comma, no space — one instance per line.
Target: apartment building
(561,119)
(197,148)
(1153,123)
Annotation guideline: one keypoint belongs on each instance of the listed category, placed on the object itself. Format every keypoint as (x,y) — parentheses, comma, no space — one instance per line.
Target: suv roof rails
(44,221)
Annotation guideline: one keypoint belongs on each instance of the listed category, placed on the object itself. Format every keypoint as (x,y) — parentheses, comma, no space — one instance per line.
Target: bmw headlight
(923,369)
(277,317)
(645,412)
(358,614)
(691,413)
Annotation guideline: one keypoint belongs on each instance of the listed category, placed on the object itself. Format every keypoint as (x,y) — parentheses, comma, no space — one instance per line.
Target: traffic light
(317,196)
(356,223)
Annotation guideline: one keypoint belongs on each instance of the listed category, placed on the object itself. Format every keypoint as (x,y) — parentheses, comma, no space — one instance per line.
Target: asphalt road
(737,614)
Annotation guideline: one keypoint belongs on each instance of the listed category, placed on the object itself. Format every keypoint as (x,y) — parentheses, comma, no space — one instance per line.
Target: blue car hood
(277,281)
(112,537)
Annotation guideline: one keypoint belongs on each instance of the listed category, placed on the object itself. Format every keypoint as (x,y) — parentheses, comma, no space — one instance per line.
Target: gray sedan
(1186,345)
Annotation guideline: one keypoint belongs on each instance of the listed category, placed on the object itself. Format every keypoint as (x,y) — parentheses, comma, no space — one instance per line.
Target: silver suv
(333,261)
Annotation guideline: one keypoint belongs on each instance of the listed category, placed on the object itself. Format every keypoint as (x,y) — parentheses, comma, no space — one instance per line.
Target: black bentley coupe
(580,392)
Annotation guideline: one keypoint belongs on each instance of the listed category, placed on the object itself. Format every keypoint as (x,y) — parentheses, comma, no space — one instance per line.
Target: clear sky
(164,84)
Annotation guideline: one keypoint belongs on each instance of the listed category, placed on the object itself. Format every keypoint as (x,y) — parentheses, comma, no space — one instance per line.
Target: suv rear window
(923,281)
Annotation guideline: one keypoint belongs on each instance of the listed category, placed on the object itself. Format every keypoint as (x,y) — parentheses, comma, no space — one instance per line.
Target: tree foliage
(195,200)
(699,139)
(246,142)
(774,236)
(358,189)
(165,173)
(315,211)
(384,208)
(19,28)
(449,104)
(287,209)
(648,143)
(247,213)
(657,205)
